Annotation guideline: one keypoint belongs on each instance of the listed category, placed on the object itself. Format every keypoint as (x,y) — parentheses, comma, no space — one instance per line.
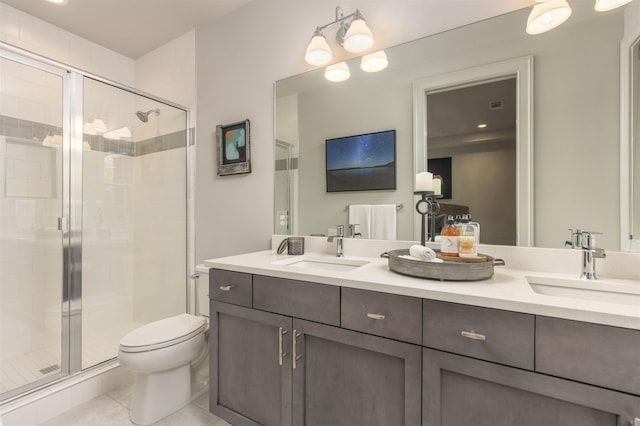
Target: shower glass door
(32,196)
(134,215)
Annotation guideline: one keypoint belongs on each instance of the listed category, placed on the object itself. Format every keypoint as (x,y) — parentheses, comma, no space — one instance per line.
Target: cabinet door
(465,391)
(250,366)
(346,378)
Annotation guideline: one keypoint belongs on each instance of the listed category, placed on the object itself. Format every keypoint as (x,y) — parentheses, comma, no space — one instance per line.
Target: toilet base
(160,394)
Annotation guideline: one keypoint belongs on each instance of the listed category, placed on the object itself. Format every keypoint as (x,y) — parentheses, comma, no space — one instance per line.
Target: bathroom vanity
(361,345)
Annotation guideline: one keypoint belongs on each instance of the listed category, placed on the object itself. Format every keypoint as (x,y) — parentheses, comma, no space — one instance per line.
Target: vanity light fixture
(546,15)
(337,72)
(374,62)
(353,35)
(604,5)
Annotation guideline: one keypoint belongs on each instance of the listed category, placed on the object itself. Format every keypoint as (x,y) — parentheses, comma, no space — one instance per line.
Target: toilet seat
(163,333)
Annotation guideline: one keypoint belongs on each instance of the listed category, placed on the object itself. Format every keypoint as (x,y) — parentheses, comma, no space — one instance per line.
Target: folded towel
(422,252)
(434,260)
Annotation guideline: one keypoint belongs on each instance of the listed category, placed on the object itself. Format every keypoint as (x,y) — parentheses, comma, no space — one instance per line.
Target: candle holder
(428,205)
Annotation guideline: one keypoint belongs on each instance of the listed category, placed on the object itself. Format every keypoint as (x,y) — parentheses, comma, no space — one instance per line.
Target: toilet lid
(162,333)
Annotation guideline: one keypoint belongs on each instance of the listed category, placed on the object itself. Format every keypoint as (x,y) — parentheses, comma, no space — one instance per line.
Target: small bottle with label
(467,246)
(449,238)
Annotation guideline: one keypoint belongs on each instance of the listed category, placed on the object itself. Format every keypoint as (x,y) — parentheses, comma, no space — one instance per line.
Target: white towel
(422,252)
(360,214)
(434,260)
(383,222)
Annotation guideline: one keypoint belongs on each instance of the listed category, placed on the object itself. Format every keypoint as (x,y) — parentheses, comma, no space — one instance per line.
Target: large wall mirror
(576,130)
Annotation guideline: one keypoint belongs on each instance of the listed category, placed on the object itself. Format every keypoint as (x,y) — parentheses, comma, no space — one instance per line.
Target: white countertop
(508,289)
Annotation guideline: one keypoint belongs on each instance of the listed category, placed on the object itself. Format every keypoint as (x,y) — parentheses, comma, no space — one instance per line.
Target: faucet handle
(589,239)
(576,238)
(340,230)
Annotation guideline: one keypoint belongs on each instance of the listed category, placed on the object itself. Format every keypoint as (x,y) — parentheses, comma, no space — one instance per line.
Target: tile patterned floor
(112,409)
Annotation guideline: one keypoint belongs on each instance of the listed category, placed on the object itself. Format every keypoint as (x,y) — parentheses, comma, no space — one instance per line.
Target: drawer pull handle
(227,287)
(295,356)
(281,353)
(375,316)
(473,335)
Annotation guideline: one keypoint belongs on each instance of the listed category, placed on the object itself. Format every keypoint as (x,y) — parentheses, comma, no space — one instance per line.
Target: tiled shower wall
(134,224)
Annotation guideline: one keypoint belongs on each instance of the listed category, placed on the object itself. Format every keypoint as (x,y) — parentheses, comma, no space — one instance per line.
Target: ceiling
(129,27)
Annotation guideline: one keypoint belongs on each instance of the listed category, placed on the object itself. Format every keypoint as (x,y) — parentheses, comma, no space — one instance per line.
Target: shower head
(144,116)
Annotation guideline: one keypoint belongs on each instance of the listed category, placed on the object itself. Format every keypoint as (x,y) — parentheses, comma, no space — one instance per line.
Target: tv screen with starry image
(361,162)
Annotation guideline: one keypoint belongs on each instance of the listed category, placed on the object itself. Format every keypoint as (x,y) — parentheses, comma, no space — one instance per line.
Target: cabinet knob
(375,316)
(227,287)
(475,336)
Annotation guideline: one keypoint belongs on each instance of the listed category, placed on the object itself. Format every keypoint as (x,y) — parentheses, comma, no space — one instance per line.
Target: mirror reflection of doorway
(473,127)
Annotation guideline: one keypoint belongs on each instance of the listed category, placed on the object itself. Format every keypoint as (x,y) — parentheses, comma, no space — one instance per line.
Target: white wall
(35,35)
(238,61)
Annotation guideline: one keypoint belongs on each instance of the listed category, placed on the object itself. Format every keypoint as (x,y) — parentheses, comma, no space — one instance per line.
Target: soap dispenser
(449,238)
(467,241)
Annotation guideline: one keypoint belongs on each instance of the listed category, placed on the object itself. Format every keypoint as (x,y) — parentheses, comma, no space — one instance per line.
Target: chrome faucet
(589,255)
(339,237)
(352,230)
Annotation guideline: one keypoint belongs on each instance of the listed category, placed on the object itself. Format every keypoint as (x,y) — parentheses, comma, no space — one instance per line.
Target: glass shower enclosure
(93,218)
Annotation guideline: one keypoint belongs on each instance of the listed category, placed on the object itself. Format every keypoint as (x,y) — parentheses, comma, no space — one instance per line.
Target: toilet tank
(202,287)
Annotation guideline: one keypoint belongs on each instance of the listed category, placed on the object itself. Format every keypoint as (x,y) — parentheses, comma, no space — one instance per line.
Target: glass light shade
(337,72)
(59,2)
(358,37)
(374,62)
(548,15)
(604,5)
(318,51)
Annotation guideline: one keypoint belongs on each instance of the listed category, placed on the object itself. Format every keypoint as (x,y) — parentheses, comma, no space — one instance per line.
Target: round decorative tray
(480,268)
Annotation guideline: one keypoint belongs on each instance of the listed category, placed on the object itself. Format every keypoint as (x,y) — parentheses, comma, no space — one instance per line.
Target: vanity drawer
(300,299)
(230,287)
(591,353)
(387,315)
(490,334)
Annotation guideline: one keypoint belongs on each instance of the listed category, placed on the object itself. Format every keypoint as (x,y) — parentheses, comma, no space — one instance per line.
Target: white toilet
(161,354)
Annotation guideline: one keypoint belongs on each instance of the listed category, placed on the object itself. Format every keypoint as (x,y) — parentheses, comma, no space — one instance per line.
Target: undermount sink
(602,291)
(332,264)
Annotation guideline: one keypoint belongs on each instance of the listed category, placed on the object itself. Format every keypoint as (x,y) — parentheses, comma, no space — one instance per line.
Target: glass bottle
(467,246)
(449,238)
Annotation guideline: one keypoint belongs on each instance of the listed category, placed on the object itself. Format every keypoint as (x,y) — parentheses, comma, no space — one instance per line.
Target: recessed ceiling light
(59,2)
(482,126)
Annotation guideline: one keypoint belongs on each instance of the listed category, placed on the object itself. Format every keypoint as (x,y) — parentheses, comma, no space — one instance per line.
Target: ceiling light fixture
(482,126)
(546,15)
(353,35)
(337,72)
(59,2)
(604,5)
(374,62)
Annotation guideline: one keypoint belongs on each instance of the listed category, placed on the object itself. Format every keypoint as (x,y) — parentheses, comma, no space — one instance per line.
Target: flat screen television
(361,162)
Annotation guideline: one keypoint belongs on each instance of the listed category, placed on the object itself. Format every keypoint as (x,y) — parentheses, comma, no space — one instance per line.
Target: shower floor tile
(27,368)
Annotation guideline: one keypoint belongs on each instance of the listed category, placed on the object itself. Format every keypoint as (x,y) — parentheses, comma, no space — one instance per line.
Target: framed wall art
(234,148)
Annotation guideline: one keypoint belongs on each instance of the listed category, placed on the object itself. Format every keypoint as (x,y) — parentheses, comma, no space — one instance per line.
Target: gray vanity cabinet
(250,373)
(346,378)
(464,391)
(286,361)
